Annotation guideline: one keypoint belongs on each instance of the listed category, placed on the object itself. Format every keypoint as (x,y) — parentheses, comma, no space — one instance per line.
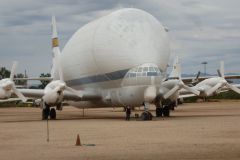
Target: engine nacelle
(5,94)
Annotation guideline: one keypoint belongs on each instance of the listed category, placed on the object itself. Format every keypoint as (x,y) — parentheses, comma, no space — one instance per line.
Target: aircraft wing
(10,100)
(35,78)
(189,79)
(86,95)
(187,95)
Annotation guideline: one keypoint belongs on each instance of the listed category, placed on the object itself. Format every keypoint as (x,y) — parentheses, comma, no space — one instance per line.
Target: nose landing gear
(146,115)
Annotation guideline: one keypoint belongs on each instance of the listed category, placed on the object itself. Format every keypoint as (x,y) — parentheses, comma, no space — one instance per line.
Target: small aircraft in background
(213,85)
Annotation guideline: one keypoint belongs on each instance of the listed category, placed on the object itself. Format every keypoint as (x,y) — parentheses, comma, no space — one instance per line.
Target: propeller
(194,81)
(56,51)
(171,92)
(53,91)
(177,73)
(213,89)
(235,89)
(8,85)
(179,86)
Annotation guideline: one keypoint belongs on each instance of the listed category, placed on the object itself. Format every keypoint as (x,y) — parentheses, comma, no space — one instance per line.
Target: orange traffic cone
(78,142)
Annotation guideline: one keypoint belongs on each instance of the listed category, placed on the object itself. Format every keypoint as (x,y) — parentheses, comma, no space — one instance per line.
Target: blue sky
(200,30)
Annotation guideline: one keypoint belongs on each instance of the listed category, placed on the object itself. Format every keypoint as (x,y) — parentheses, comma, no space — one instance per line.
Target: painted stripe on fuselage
(98,78)
(102,78)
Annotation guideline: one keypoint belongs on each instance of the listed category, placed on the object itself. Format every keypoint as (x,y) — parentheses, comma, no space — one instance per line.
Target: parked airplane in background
(213,85)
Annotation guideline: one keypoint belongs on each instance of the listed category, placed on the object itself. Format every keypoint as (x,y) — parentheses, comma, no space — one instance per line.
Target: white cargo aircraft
(118,60)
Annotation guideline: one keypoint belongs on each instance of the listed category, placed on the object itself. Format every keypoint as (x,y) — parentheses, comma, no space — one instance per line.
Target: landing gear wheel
(45,113)
(53,113)
(146,116)
(166,111)
(159,112)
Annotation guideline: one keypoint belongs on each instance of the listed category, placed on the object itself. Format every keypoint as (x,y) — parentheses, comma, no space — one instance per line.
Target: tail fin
(56,52)
(222,68)
(176,71)
(14,66)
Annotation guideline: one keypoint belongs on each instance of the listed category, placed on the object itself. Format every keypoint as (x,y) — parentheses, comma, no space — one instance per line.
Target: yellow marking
(55,42)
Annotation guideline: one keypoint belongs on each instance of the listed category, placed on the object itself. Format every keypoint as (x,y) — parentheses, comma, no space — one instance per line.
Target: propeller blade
(77,93)
(58,60)
(235,89)
(171,92)
(14,66)
(55,48)
(194,91)
(19,94)
(198,74)
(222,68)
(213,89)
(219,73)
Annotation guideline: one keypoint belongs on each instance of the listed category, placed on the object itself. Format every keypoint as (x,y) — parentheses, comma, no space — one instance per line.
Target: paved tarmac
(194,131)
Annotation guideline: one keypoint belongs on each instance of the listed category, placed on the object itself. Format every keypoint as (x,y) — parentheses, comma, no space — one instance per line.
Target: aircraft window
(139,74)
(140,69)
(132,74)
(145,69)
(151,73)
(151,69)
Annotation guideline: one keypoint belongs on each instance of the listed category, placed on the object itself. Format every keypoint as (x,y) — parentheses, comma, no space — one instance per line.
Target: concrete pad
(195,131)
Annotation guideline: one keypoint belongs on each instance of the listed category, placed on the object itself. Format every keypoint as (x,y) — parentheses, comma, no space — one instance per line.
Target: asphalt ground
(208,130)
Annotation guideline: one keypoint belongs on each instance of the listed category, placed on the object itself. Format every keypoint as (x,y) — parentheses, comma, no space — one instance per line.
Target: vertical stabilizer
(13,70)
(176,71)
(222,68)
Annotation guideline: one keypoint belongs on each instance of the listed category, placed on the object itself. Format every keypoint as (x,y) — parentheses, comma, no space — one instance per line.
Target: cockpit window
(140,69)
(132,74)
(145,69)
(151,69)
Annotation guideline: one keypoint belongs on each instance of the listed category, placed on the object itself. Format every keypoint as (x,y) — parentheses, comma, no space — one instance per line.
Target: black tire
(53,113)
(159,112)
(45,113)
(150,116)
(146,116)
(166,111)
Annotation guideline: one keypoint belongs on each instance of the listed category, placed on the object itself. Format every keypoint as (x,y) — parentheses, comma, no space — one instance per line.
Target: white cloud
(200,30)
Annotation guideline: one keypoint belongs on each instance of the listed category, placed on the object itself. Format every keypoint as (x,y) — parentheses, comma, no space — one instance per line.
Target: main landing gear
(46,111)
(146,115)
(163,111)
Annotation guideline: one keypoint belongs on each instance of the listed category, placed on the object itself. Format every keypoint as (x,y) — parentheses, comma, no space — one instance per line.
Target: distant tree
(20,82)
(4,73)
(44,83)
